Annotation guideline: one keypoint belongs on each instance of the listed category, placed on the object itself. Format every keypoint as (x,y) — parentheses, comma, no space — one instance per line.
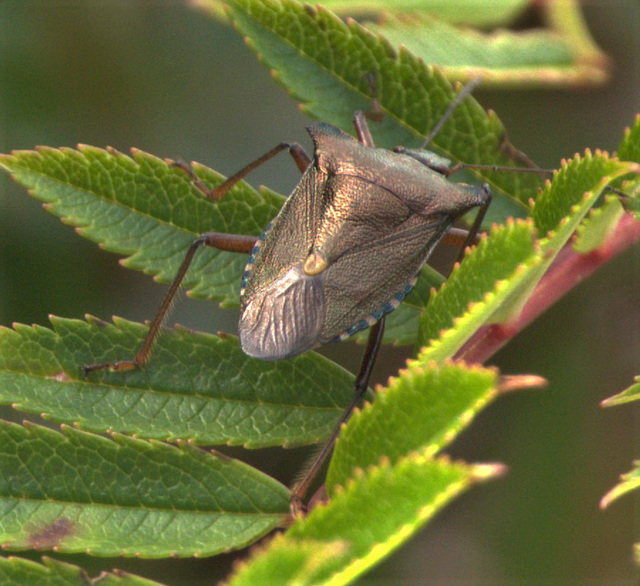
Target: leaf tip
(605,501)
(482,472)
(115,152)
(517,382)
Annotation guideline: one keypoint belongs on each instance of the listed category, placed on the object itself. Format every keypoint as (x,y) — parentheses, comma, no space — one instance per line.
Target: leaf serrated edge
(377,551)
(397,384)
(455,336)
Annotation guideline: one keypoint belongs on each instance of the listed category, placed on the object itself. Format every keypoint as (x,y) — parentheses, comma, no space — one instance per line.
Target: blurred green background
(161,77)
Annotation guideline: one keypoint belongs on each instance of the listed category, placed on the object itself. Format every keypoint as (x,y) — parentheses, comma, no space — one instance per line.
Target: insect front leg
(299,155)
(221,241)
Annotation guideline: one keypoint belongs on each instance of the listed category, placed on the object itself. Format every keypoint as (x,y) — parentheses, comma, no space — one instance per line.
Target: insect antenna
(466,90)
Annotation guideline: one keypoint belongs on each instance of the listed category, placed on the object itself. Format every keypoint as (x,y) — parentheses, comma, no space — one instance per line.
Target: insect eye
(314,264)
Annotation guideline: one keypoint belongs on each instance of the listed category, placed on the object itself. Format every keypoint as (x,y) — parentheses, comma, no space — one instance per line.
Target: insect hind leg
(218,240)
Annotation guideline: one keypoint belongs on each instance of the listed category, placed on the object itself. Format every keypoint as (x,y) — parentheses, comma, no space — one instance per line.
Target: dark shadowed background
(163,78)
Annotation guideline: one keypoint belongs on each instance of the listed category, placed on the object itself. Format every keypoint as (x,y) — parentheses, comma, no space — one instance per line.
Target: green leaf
(477,287)
(196,386)
(78,492)
(630,394)
(595,229)
(562,52)
(570,186)
(473,12)
(422,409)
(18,572)
(290,561)
(375,514)
(629,149)
(146,210)
(630,481)
(575,189)
(538,56)
(326,65)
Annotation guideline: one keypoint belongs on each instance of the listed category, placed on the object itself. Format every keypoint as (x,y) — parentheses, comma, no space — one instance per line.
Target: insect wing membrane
(281,307)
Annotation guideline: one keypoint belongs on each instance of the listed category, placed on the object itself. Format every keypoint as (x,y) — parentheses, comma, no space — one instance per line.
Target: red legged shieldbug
(344,250)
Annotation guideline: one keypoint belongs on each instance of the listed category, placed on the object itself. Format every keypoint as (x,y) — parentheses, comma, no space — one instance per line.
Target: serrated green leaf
(422,409)
(326,65)
(146,210)
(562,206)
(630,394)
(373,516)
(597,227)
(290,561)
(531,57)
(495,280)
(196,386)
(629,149)
(473,12)
(630,481)
(493,265)
(20,572)
(75,491)
(562,53)
(579,176)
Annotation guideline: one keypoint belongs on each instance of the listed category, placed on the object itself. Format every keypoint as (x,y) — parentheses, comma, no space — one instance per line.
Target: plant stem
(568,270)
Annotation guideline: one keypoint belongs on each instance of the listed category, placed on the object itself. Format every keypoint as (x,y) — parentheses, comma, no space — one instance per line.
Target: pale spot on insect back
(315,264)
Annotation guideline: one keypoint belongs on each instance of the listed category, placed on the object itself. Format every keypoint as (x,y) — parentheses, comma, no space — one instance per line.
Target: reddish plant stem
(567,270)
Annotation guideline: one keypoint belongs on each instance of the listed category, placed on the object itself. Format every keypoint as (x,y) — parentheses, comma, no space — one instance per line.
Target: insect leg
(464,92)
(477,222)
(362,380)
(221,241)
(299,155)
(360,388)
(459,237)
(362,128)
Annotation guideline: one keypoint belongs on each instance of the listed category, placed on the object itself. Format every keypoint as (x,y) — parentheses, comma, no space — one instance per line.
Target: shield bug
(343,251)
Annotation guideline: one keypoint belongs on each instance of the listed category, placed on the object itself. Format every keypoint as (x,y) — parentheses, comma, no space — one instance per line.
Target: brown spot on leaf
(51,535)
